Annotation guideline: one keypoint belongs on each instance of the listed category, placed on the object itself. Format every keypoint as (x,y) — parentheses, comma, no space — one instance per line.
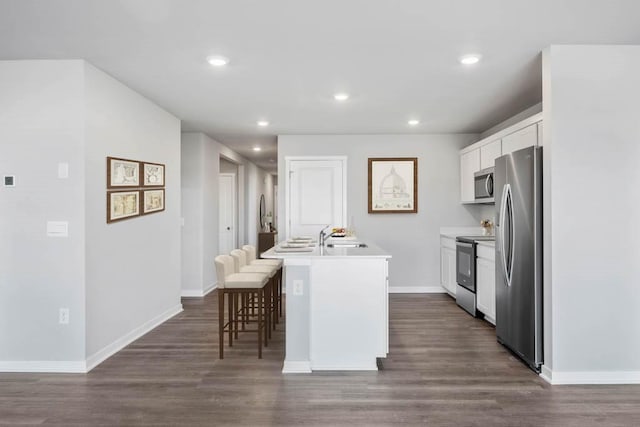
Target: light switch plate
(63,170)
(298,288)
(57,228)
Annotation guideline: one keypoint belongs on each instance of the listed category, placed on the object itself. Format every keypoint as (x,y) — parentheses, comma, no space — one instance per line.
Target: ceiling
(397,59)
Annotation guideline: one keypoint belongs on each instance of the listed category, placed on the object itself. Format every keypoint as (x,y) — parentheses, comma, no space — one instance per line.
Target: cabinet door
(451,263)
(489,153)
(469,164)
(444,268)
(448,264)
(523,138)
(486,288)
(450,254)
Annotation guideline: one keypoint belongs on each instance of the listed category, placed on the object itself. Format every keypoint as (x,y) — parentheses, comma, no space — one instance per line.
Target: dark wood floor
(444,369)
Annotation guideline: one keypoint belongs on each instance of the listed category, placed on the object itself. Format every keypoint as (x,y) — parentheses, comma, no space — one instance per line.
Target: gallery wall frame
(123,173)
(123,204)
(152,201)
(393,185)
(152,174)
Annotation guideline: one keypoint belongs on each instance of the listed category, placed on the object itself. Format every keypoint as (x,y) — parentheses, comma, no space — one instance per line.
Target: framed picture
(122,173)
(152,201)
(122,205)
(393,185)
(153,175)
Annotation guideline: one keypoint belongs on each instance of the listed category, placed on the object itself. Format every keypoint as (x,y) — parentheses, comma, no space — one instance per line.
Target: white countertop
(453,232)
(490,243)
(371,251)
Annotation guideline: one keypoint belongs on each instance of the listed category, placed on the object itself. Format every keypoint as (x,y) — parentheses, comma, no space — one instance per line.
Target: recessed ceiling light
(341,96)
(470,59)
(257,149)
(263,123)
(218,61)
(413,122)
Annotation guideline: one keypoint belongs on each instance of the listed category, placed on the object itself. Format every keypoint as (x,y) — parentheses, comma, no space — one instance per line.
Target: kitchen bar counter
(336,307)
(371,251)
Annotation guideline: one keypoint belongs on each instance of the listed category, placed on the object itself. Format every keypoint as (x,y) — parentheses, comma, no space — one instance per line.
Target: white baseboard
(296,367)
(416,290)
(196,293)
(108,351)
(48,366)
(365,367)
(210,288)
(590,377)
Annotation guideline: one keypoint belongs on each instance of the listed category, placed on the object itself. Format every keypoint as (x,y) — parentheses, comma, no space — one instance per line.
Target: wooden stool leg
(274,301)
(230,314)
(221,322)
(265,313)
(244,308)
(235,313)
(259,324)
(280,287)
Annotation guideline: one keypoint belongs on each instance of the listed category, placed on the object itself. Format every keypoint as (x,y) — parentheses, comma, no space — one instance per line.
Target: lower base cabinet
(448,265)
(486,282)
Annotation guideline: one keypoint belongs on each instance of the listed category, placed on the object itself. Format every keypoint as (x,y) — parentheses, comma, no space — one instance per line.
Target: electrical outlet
(298,287)
(63,316)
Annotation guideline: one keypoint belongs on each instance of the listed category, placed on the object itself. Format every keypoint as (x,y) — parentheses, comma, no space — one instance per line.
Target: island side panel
(348,313)
(297,340)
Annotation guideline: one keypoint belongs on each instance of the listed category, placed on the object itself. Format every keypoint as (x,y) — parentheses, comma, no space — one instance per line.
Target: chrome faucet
(322,237)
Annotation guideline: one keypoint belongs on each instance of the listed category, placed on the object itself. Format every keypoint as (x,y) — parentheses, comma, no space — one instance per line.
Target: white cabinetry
(522,138)
(448,264)
(469,164)
(486,282)
(489,153)
(482,154)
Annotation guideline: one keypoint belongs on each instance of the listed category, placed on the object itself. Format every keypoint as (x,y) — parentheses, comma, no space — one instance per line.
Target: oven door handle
(466,245)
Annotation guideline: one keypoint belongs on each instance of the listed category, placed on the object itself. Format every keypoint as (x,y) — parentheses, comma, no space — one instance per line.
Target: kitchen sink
(347,245)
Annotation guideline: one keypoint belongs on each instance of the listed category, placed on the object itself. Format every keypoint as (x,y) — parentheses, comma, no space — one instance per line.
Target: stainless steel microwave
(483,185)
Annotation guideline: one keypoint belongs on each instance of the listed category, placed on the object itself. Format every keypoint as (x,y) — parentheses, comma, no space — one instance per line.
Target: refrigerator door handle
(512,234)
(506,196)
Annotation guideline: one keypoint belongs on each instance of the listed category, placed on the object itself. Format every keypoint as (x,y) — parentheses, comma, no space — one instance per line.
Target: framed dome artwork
(393,185)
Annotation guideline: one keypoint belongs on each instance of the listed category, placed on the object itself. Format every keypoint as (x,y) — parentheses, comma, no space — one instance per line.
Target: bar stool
(251,260)
(233,284)
(240,258)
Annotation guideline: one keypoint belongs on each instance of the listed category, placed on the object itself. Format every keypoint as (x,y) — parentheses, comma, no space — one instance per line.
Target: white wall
(132,266)
(117,280)
(591,139)
(412,239)
(41,112)
(192,236)
(201,164)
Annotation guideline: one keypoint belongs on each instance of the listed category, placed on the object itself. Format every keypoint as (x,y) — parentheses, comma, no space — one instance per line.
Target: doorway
(227,213)
(316,193)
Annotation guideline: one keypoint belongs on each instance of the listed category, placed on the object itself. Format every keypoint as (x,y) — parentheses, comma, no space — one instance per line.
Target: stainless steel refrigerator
(518,196)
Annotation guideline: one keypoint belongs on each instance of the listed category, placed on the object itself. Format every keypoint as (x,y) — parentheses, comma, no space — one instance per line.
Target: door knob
(228,228)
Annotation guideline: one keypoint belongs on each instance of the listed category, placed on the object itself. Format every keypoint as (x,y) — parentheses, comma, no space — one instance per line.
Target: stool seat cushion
(246,280)
(264,269)
(275,262)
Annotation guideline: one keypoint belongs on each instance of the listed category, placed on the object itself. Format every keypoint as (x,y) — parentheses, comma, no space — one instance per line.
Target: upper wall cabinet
(469,164)
(484,153)
(522,138)
(489,153)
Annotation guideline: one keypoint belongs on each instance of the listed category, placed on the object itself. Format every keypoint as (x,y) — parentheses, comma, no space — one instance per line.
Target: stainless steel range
(466,271)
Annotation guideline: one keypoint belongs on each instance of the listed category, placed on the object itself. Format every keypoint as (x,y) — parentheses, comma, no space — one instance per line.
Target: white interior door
(317,195)
(227,213)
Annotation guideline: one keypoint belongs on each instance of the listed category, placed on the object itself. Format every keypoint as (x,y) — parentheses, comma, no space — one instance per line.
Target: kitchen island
(336,307)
